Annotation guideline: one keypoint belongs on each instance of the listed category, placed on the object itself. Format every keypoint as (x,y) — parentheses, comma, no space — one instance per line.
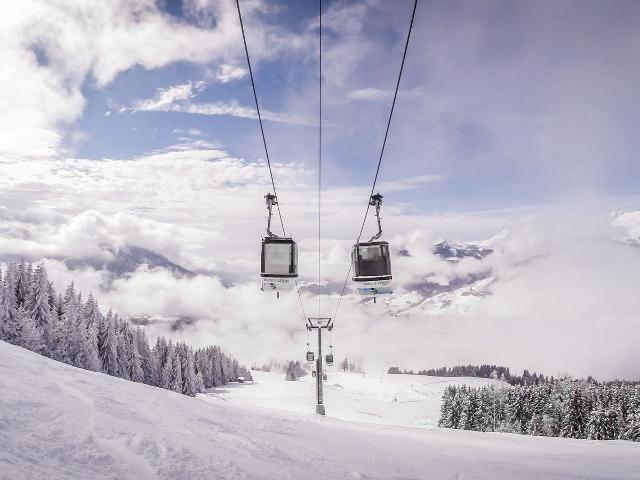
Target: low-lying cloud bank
(559,293)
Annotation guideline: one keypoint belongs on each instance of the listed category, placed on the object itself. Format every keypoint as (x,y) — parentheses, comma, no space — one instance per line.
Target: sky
(132,122)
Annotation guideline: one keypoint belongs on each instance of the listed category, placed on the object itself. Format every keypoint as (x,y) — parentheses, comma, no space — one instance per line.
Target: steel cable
(384,143)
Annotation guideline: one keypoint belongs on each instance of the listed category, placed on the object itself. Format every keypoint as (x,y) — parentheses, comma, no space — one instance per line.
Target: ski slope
(59,422)
(399,400)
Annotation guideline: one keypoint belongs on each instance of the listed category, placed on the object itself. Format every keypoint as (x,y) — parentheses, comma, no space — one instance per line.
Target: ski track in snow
(59,422)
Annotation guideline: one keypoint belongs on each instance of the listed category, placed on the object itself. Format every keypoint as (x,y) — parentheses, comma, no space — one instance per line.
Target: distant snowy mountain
(457,251)
(418,291)
(434,297)
(628,226)
(125,260)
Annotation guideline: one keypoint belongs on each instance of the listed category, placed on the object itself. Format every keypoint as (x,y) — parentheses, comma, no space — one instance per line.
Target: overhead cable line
(264,142)
(384,143)
(319,147)
(255,97)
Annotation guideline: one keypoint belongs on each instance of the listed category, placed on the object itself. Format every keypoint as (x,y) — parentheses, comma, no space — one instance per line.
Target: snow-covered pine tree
(30,335)
(204,367)
(136,374)
(537,402)
(108,346)
(89,357)
(344,365)
(536,425)
(500,395)
(200,384)
(176,372)
(597,424)
(147,359)
(445,407)
(235,370)
(553,412)
(161,352)
(291,373)
(38,308)
(575,419)
(513,409)
(102,335)
(5,319)
(22,283)
(10,327)
(3,314)
(167,370)
(469,409)
(93,320)
(224,368)
(632,430)
(218,378)
(123,347)
(613,426)
(53,297)
(484,413)
(70,349)
(189,386)
(457,406)
(156,372)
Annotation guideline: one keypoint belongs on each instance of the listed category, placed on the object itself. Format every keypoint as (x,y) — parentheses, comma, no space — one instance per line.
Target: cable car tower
(319,324)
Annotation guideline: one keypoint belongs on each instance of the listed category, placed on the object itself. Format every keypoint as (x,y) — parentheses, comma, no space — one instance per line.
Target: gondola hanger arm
(270,200)
(376,201)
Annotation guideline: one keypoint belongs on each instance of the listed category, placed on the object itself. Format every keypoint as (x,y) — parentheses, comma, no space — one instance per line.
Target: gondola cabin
(279,264)
(372,268)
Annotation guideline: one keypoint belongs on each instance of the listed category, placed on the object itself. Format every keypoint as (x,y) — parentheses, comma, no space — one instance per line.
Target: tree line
(74,331)
(278,366)
(482,371)
(563,408)
(294,371)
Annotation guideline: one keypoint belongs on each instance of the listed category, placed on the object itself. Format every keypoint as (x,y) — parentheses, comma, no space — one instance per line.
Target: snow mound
(60,422)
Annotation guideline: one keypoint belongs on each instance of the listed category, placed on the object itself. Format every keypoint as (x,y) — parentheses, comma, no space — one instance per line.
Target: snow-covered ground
(400,400)
(59,422)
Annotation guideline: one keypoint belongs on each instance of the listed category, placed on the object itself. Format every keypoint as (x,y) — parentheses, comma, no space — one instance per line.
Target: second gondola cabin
(279,264)
(372,268)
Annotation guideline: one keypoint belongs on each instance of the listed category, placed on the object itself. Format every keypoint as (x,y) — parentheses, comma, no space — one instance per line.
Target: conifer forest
(563,408)
(67,328)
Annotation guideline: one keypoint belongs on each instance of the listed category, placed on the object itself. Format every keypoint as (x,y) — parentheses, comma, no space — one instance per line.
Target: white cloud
(558,282)
(370,94)
(410,183)
(236,110)
(50,49)
(165,98)
(227,73)
(178,98)
(378,95)
(194,132)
